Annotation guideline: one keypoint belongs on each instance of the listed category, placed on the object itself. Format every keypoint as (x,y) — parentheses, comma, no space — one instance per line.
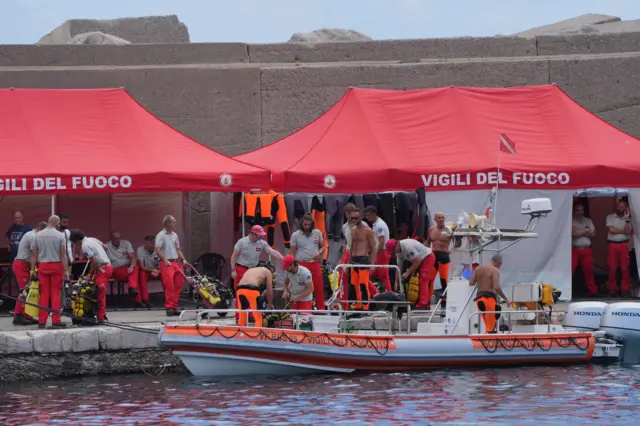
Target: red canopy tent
(379,140)
(103,141)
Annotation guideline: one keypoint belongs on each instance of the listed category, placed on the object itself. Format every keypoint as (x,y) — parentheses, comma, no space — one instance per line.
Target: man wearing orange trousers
(21,267)
(100,267)
(171,264)
(307,246)
(49,254)
(422,260)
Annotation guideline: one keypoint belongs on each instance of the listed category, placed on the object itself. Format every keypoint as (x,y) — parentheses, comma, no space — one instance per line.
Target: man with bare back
(363,252)
(440,240)
(487,278)
(250,289)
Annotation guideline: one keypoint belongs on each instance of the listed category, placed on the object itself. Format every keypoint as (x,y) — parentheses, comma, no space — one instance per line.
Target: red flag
(507,145)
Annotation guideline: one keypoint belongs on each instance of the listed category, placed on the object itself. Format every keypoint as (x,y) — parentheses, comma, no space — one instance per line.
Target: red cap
(258,230)
(389,245)
(287,262)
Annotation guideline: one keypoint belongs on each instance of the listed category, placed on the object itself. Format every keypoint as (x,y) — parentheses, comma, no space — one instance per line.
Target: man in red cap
(422,260)
(247,251)
(298,285)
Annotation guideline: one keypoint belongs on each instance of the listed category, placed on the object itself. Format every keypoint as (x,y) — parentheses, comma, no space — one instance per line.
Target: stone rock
(15,343)
(85,340)
(572,24)
(109,338)
(96,37)
(52,341)
(325,35)
(148,29)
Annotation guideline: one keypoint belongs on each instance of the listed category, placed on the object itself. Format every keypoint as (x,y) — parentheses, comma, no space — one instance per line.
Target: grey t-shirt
(410,249)
(306,246)
(24,247)
(249,253)
(149,260)
(119,256)
(169,244)
(49,241)
(583,241)
(298,282)
(618,223)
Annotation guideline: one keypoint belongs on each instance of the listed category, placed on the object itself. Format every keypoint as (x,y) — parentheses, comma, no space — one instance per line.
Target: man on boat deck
(307,246)
(247,251)
(422,260)
(250,289)
(298,285)
(439,239)
(487,278)
(363,252)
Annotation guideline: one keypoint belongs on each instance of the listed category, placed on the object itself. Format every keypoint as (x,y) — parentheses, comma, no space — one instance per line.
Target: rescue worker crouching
(422,260)
(249,291)
(100,268)
(487,278)
(298,285)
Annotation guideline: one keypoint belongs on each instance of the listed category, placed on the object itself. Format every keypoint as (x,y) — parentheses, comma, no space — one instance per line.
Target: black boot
(19,319)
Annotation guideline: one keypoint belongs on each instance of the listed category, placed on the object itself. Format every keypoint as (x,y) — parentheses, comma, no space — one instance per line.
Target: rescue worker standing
(422,260)
(582,231)
(123,262)
(439,239)
(247,251)
(100,267)
(619,231)
(381,231)
(171,264)
(363,252)
(21,267)
(306,248)
(487,277)
(49,254)
(298,285)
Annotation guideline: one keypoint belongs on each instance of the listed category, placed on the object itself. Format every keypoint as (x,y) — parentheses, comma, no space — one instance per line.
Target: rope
(492,345)
(283,336)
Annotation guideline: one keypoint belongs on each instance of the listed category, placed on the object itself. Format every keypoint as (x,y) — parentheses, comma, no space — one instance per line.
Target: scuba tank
(84,303)
(413,289)
(208,291)
(31,295)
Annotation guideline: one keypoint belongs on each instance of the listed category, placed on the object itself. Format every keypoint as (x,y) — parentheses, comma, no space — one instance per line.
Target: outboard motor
(584,315)
(621,322)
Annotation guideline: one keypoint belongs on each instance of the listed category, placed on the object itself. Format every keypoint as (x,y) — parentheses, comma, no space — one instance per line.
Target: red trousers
(426,281)
(22,270)
(618,257)
(240,270)
(50,275)
(584,258)
(122,274)
(172,282)
(303,306)
(383,273)
(101,279)
(143,285)
(318,283)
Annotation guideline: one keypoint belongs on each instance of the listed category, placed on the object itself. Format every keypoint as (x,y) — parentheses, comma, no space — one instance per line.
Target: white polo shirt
(380,229)
(298,282)
(411,249)
(93,247)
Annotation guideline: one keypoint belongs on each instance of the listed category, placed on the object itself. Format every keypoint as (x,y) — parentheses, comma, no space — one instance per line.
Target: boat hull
(229,350)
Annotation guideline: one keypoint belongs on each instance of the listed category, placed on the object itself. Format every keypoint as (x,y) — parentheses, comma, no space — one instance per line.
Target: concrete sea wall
(235,97)
(46,354)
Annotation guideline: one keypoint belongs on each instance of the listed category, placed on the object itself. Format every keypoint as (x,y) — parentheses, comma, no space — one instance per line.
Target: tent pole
(242,207)
(53,205)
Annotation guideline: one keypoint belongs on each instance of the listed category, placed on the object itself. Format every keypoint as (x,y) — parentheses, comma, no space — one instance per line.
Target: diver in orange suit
(487,278)
(363,252)
(250,289)
(439,239)
(265,210)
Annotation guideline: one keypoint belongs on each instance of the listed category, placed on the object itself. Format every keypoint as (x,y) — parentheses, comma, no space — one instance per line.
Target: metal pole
(495,212)
(242,207)
(53,205)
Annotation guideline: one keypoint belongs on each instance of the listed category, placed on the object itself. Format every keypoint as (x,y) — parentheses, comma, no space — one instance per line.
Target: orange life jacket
(265,210)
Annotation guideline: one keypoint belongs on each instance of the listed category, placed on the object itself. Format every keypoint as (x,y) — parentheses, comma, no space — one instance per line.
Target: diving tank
(584,315)
(621,322)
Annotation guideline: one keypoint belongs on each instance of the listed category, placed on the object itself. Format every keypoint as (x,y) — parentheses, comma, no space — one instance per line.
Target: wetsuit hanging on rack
(265,210)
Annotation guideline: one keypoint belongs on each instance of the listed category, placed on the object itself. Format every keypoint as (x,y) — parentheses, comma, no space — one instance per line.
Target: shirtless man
(249,290)
(363,252)
(440,241)
(487,278)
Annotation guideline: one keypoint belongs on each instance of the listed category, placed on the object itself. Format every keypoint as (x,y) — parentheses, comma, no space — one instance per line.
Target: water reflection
(571,395)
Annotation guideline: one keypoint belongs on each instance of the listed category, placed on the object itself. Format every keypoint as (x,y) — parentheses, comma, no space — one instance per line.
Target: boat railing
(203,316)
(509,319)
(343,266)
